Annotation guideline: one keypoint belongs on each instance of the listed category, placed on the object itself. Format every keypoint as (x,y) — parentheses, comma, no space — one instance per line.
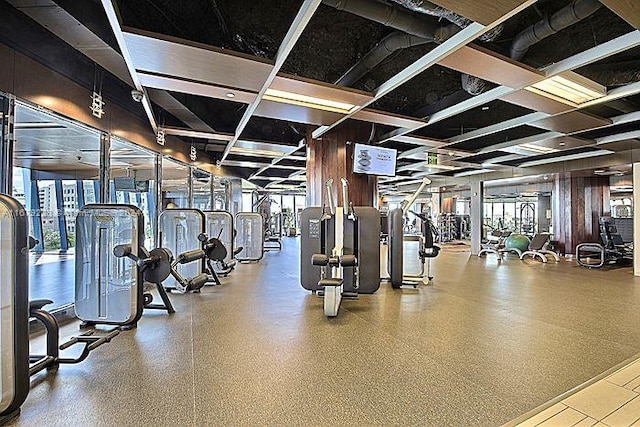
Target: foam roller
(198,281)
(187,257)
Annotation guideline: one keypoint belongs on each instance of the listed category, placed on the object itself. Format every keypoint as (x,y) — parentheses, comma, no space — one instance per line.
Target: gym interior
(319,212)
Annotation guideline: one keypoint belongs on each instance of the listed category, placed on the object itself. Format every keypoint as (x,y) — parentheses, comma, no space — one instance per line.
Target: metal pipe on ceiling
(432,9)
(565,17)
(391,43)
(395,17)
(413,31)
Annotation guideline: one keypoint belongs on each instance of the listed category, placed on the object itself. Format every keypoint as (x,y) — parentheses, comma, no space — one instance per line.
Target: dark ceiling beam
(300,22)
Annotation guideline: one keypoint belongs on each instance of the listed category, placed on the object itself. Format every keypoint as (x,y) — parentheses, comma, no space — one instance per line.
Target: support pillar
(6,144)
(105,170)
(636,219)
(477,203)
(578,203)
(331,156)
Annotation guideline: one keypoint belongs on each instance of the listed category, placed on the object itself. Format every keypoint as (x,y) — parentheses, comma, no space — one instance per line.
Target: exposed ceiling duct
(395,17)
(429,8)
(413,31)
(565,17)
(393,42)
(614,74)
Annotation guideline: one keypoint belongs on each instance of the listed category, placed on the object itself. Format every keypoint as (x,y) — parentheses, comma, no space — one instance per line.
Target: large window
(56,171)
(175,184)
(133,180)
(201,187)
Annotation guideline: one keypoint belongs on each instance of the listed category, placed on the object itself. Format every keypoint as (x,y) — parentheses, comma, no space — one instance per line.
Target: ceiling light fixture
(536,148)
(255,152)
(473,172)
(231,95)
(569,88)
(308,101)
(577,156)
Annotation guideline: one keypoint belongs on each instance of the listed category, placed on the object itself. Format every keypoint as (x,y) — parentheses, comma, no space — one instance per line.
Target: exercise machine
(14,307)
(344,242)
(16,364)
(538,248)
(613,250)
(426,250)
(107,290)
(220,224)
(273,234)
(250,235)
(215,254)
(494,243)
(179,231)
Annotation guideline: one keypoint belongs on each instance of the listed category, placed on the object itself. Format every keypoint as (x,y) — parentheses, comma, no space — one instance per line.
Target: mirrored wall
(55,166)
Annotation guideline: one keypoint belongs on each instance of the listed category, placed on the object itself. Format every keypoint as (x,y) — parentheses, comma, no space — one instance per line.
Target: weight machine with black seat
(110,290)
(395,253)
(16,364)
(613,250)
(345,243)
(220,224)
(215,255)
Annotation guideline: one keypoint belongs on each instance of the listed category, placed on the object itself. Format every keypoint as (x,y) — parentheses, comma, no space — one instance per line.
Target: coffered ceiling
(247,81)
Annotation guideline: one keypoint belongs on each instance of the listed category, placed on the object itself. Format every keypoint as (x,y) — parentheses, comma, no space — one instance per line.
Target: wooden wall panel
(331,157)
(578,203)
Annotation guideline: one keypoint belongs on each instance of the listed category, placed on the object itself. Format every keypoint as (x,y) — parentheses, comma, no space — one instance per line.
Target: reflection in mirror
(132,181)
(56,166)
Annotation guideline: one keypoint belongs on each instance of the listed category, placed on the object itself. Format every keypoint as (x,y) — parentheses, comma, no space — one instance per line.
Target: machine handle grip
(348,260)
(122,251)
(143,262)
(319,259)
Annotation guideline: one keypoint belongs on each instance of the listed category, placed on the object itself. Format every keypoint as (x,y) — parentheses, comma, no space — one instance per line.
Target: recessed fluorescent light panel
(577,156)
(308,101)
(571,88)
(536,148)
(256,152)
(474,172)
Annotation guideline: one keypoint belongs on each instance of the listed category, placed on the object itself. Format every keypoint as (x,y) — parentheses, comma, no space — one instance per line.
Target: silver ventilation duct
(413,31)
(395,17)
(388,45)
(565,17)
(429,8)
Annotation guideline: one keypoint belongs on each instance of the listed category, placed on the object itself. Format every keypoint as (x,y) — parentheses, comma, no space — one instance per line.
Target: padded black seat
(37,304)
(537,248)
(330,282)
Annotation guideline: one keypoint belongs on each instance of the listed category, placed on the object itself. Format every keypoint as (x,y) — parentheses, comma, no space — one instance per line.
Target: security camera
(137,95)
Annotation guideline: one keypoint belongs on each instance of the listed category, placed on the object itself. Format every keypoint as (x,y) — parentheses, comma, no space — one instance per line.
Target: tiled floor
(487,342)
(611,401)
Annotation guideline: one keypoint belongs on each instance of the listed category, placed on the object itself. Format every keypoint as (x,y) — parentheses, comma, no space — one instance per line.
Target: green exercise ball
(517,241)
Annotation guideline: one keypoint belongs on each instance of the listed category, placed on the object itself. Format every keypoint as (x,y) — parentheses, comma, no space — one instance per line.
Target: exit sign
(432,159)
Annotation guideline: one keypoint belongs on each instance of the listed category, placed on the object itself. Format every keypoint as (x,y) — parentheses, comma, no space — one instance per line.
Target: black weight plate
(158,272)
(216,250)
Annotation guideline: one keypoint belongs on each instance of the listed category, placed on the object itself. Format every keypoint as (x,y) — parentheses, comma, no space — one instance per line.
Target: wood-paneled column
(331,156)
(578,203)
